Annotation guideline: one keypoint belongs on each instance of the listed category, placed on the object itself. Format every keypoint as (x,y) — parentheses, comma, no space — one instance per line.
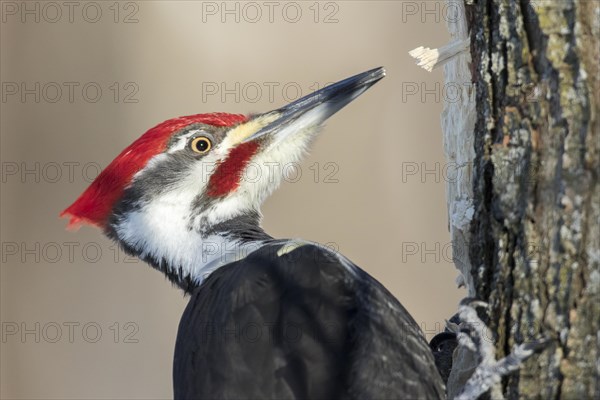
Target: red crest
(95,204)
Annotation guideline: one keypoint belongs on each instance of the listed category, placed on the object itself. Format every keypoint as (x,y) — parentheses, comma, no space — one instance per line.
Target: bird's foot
(479,367)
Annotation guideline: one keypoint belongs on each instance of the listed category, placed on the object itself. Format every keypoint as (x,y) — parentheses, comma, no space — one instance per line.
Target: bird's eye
(201,144)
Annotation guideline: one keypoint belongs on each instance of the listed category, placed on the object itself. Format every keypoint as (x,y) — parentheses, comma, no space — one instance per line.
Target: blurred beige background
(81,320)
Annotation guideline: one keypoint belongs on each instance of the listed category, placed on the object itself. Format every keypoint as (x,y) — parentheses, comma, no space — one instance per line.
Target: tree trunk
(528,227)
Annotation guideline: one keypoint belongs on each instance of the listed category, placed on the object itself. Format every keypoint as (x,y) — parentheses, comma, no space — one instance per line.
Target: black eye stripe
(194,130)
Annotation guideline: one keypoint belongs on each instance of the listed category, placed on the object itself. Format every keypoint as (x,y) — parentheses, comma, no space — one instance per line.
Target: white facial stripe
(244,131)
(183,140)
(307,122)
(159,229)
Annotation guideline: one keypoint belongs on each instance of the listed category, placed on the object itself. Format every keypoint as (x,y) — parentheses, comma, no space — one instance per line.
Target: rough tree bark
(525,214)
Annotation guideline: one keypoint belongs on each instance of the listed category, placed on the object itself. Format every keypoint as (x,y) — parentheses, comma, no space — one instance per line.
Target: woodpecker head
(191,185)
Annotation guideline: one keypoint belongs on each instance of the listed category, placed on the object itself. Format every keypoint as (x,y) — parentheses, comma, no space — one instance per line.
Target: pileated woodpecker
(267,318)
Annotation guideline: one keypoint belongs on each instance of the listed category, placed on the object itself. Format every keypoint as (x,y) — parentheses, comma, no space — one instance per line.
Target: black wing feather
(299,326)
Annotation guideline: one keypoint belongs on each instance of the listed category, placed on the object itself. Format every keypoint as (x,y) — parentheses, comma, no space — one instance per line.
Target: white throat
(160,232)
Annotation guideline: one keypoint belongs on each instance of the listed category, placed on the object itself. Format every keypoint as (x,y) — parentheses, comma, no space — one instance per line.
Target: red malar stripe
(228,174)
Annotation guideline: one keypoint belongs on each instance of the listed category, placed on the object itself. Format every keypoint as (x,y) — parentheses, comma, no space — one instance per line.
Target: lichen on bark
(535,251)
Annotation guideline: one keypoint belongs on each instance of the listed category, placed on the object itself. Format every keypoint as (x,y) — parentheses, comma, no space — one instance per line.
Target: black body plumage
(285,319)
(299,324)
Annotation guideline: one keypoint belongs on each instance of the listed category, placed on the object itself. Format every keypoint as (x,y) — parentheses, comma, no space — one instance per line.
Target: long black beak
(315,108)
